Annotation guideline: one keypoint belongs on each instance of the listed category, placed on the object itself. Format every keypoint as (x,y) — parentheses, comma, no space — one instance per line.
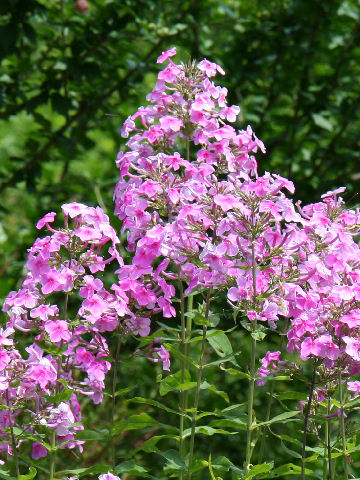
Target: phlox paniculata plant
(202,226)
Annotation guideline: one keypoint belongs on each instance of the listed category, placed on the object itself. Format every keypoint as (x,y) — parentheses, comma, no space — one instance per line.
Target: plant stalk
(183,368)
(197,391)
(328,442)
(306,421)
(113,392)
(271,394)
(13,442)
(249,448)
(342,428)
(196,403)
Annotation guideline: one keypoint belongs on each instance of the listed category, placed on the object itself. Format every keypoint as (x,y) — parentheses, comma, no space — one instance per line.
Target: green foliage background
(69,79)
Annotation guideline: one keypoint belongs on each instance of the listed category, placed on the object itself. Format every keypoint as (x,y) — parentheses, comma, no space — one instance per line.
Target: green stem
(328,441)
(271,395)
(249,448)
(326,446)
(196,403)
(197,391)
(113,392)
(13,442)
(306,421)
(183,368)
(342,428)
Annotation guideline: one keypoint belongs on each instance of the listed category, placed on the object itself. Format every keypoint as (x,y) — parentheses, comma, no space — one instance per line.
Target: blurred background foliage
(71,72)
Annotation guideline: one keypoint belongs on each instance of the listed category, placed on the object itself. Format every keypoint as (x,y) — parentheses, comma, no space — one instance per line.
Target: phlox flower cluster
(69,354)
(189,193)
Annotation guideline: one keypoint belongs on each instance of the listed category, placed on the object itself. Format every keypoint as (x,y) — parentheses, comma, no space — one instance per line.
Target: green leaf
(174,383)
(157,404)
(278,419)
(174,460)
(149,445)
(322,122)
(5,474)
(219,361)
(174,350)
(219,342)
(212,388)
(236,373)
(92,435)
(131,468)
(289,469)
(80,472)
(29,476)
(290,395)
(62,396)
(258,335)
(259,469)
(206,430)
(236,423)
(134,422)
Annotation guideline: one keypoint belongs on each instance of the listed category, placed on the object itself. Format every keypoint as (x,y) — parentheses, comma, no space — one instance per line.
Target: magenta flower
(38,451)
(161,59)
(58,331)
(46,219)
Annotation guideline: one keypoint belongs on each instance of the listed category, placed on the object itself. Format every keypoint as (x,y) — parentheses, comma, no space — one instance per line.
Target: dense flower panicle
(61,266)
(174,205)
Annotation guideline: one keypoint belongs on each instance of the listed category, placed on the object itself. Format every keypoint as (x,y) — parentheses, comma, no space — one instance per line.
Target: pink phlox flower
(167,289)
(167,309)
(86,233)
(108,476)
(333,193)
(325,347)
(42,373)
(144,256)
(150,188)
(269,366)
(164,357)
(46,219)
(4,359)
(227,202)
(38,451)
(139,325)
(26,298)
(44,312)
(230,113)
(161,59)
(222,133)
(352,347)
(95,305)
(174,161)
(170,123)
(74,209)
(84,357)
(170,73)
(91,285)
(61,418)
(352,320)
(354,387)
(4,336)
(202,102)
(52,281)
(209,68)
(144,297)
(58,331)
